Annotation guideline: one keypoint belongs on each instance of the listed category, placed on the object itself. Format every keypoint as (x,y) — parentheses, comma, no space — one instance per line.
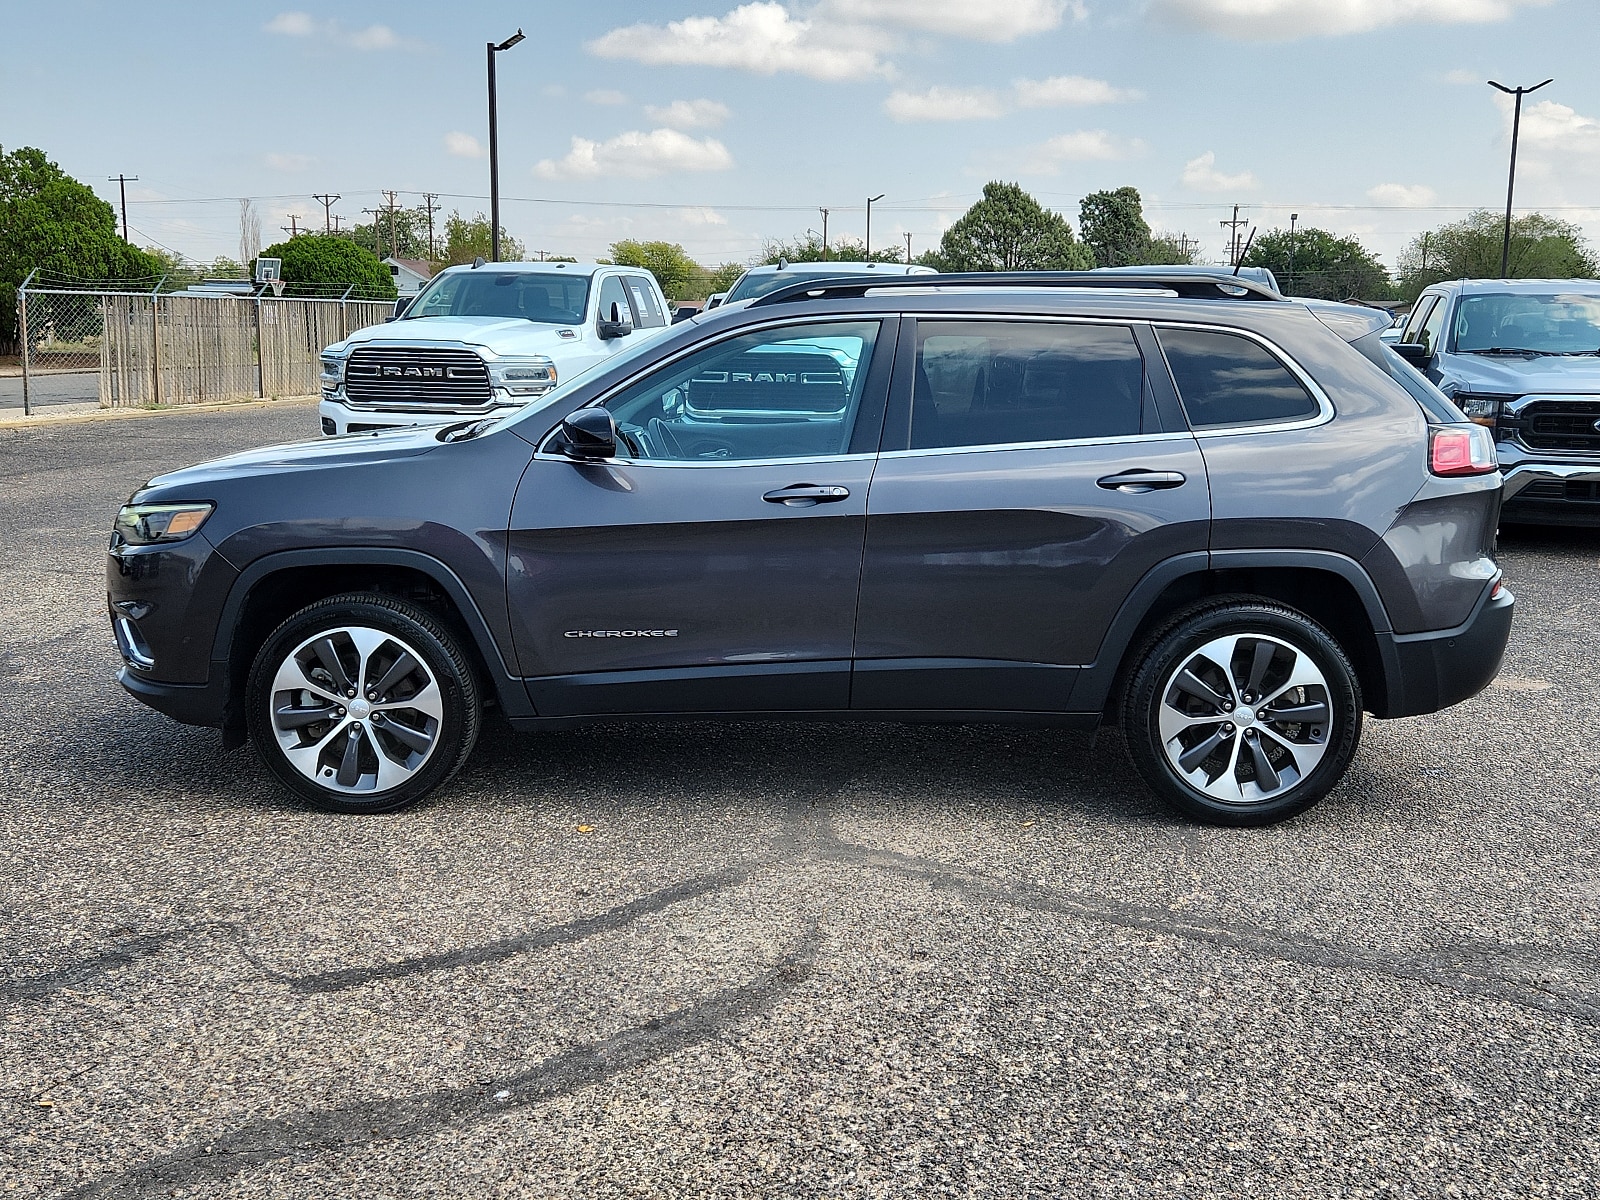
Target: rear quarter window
(1225,379)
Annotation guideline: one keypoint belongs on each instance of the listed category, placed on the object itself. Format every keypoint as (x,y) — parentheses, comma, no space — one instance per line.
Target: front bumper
(1430,671)
(1551,493)
(189,703)
(340,418)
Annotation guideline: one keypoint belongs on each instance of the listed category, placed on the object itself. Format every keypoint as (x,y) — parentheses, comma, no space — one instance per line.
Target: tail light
(1461,450)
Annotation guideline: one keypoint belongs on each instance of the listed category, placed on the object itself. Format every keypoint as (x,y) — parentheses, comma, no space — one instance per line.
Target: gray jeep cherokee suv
(1227,520)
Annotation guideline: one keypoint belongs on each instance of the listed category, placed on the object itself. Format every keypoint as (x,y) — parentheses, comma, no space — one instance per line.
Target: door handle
(804,495)
(1140,481)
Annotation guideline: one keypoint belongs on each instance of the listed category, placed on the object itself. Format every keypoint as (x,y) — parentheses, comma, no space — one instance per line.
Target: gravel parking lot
(778,960)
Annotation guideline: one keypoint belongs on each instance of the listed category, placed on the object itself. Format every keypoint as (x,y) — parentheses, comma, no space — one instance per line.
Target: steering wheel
(661,434)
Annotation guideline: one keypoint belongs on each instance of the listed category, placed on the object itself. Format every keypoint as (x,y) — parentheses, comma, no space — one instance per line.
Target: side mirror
(1414,353)
(616,326)
(589,434)
(400,306)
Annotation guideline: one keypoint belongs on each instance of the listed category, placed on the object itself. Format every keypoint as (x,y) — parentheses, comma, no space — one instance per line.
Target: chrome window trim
(543,450)
(1061,444)
(543,455)
(1325,409)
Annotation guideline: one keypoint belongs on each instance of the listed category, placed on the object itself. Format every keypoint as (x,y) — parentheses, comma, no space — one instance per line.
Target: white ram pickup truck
(485,339)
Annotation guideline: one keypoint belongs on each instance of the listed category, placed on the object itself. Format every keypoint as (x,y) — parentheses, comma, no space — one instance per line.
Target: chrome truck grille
(408,376)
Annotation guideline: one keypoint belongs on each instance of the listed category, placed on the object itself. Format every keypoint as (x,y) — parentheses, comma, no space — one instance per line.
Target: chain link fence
(129,349)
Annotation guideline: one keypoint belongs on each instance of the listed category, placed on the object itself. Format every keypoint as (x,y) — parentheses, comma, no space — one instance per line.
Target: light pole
(1511,183)
(1293,217)
(494,150)
(824,213)
(871,200)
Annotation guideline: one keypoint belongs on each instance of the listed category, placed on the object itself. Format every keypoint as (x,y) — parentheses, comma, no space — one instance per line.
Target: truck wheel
(1242,712)
(362,703)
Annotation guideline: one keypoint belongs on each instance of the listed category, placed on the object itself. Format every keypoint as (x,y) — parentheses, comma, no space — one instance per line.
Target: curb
(121,414)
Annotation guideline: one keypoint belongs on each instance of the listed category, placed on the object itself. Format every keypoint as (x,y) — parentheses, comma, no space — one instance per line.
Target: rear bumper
(1430,671)
(1545,493)
(190,703)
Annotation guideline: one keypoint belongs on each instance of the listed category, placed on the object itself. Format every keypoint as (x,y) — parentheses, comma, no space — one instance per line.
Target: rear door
(1031,474)
(715,564)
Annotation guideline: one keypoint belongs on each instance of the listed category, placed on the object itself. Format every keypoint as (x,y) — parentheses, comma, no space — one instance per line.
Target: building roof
(415,265)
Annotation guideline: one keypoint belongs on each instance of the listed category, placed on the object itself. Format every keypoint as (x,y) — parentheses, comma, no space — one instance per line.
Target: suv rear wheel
(362,703)
(1242,712)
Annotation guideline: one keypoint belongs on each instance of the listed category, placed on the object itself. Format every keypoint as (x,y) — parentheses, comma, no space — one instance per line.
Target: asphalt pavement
(774,960)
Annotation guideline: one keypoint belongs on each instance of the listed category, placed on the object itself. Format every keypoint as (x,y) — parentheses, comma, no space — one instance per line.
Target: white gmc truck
(483,340)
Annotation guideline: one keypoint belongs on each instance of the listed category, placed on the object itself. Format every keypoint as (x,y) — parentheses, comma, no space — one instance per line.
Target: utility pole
(336,219)
(871,200)
(1511,183)
(824,213)
(377,236)
(908,249)
(430,202)
(1187,246)
(327,202)
(293,227)
(122,182)
(1233,228)
(394,238)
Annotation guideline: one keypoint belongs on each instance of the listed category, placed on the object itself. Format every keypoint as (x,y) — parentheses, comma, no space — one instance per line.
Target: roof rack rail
(1221,286)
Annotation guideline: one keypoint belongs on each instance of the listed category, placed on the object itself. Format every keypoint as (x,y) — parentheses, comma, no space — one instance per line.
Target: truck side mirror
(1414,353)
(400,306)
(616,326)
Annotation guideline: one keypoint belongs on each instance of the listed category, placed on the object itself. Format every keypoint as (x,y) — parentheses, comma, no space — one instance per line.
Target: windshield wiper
(1509,350)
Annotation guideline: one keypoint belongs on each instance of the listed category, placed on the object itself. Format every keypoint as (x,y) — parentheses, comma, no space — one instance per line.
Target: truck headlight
(332,372)
(1481,409)
(530,376)
(147,524)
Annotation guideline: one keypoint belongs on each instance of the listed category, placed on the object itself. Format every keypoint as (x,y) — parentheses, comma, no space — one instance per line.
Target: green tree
(1112,225)
(51,221)
(1313,262)
(324,263)
(669,262)
(809,249)
(401,231)
(466,239)
(1008,230)
(1542,247)
(723,278)
(1168,248)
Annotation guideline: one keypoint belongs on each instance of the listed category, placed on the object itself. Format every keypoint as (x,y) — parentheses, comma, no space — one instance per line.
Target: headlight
(1480,410)
(147,524)
(532,376)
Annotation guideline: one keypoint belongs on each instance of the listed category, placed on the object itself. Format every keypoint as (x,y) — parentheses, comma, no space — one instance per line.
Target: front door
(1033,476)
(715,564)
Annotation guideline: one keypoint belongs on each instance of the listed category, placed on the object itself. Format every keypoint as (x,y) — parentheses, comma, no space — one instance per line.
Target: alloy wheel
(356,710)
(1245,718)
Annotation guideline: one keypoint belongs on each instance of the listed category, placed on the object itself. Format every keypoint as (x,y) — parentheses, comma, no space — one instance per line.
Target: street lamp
(871,200)
(1511,183)
(494,149)
(1293,217)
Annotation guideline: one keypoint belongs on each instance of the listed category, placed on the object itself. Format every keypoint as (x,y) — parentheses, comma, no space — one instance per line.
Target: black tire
(1304,760)
(433,731)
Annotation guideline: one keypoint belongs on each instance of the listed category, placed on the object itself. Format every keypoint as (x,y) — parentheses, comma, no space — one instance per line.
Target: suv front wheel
(362,703)
(1242,712)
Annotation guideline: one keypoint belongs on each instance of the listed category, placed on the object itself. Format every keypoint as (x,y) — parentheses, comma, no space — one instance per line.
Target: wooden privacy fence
(153,348)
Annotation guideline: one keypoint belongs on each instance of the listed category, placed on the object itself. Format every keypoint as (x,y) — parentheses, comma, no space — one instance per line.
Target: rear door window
(1226,379)
(992,383)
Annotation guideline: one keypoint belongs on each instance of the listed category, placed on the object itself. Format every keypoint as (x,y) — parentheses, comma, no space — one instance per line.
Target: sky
(722,125)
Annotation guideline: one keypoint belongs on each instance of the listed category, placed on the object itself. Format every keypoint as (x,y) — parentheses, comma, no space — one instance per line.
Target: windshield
(1550,324)
(751,285)
(547,298)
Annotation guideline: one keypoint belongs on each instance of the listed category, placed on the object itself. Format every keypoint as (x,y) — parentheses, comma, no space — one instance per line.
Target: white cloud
(945,104)
(1462,76)
(1557,130)
(760,37)
(289,162)
(1086,145)
(1201,175)
(1284,20)
(605,96)
(463,145)
(701,216)
(689,114)
(1061,90)
(1403,195)
(304,25)
(637,154)
(1003,21)
(940,103)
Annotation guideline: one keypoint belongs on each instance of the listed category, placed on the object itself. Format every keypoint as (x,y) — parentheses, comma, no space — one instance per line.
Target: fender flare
(512,695)
(1093,687)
